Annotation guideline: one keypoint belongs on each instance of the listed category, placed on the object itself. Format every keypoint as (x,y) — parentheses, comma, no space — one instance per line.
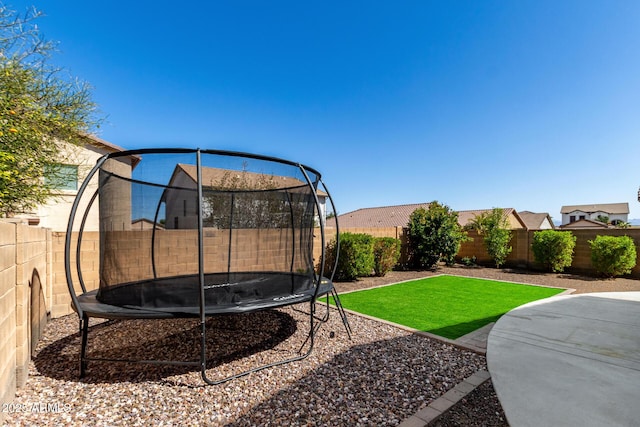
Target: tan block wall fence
(521,255)
(33,284)
(25,290)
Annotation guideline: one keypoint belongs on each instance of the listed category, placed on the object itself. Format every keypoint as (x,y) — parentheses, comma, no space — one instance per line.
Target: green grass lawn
(449,306)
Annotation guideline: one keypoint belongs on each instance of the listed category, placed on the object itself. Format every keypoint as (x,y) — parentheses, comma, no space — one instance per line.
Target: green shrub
(494,227)
(330,258)
(613,256)
(386,252)
(554,249)
(433,235)
(356,256)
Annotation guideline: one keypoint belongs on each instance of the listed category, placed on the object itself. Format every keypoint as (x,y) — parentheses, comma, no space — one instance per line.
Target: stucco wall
(54,214)
(566,217)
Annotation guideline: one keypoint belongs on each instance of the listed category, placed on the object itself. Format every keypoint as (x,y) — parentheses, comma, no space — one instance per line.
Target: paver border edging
(435,409)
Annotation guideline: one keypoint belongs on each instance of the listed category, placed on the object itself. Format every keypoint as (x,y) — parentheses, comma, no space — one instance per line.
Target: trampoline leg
(312,328)
(343,314)
(84,331)
(310,339)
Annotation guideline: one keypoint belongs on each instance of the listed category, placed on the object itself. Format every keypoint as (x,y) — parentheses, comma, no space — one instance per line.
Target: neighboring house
(78,161)
(584,223)
(385,216)
(181,202)
(513,218)
(616,212)
(536,221)
(398,216)
(145,224)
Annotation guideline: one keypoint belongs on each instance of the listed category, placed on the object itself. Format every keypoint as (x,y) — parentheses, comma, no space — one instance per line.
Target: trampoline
(197,233)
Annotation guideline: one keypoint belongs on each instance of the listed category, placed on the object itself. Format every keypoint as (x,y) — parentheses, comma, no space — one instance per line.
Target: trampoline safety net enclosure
(198,233)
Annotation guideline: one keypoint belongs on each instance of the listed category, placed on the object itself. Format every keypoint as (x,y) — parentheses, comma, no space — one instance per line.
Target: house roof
(217,176)
(585,223)
(102,143)
(533,220)
(146,222)
(385,216)
(610,208)
(398,216)
(465,217)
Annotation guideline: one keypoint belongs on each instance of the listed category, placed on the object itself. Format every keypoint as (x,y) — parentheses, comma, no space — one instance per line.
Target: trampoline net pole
(229,245)
(314,192)
(203,325)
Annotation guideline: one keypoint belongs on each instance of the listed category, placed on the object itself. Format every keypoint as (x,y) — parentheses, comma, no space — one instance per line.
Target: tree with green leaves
(494,227)
(434,235)
(39,107)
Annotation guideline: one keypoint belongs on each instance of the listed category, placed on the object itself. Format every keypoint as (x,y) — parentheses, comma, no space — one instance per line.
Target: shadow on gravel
(229,338)
(374,384)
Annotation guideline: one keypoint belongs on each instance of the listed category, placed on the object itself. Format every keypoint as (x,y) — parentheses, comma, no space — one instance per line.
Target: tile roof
(215,176)
(465,217)
(610,208)
(93,139)
(385,216)
(533,220)
(105,145)
(398,216)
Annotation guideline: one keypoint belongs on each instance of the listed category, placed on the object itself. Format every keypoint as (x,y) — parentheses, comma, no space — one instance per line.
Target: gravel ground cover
(380,377)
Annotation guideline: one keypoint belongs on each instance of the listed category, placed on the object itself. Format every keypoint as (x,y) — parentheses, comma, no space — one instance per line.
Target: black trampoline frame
(87,306)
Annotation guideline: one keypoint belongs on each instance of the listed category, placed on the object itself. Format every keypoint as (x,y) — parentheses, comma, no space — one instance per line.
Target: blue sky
(477,104)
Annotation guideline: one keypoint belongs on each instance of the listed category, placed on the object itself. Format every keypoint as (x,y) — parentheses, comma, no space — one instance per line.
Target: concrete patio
(569,360)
